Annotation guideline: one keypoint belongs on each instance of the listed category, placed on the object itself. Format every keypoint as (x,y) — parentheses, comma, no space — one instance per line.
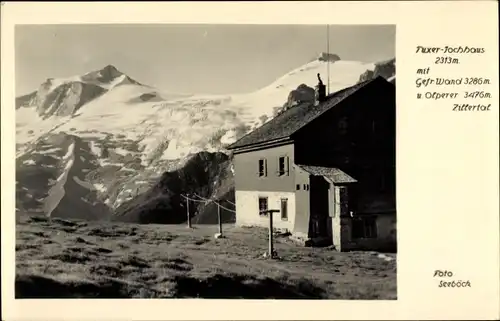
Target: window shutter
(285,169)
(336,201)
(331,200)
(262,167)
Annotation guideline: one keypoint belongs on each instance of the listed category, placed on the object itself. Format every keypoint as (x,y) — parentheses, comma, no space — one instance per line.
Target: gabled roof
(334,175)
(294,118)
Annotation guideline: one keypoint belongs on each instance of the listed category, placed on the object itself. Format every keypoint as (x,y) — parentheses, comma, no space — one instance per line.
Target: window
(284,209)
(262,167)
(283,166)
(364,227)
(342,124)
(263,206)
(298,187)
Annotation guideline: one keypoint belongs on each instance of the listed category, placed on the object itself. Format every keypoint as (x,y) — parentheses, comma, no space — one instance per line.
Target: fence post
(188,214)
(220,219)
(271,249)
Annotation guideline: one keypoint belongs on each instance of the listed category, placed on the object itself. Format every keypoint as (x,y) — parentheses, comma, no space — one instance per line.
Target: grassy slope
(61,258)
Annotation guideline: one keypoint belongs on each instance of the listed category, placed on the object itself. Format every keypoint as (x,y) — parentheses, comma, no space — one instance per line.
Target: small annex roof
(334,175)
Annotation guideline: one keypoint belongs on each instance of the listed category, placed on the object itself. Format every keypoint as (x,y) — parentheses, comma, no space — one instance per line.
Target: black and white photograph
(211,161)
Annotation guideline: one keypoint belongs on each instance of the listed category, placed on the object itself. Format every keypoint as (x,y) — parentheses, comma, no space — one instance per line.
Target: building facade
(328,169)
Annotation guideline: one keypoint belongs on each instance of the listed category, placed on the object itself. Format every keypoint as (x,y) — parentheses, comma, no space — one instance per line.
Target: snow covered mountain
(88,146)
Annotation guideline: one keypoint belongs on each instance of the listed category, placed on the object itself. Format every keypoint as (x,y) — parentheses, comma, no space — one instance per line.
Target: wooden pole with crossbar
(270,239)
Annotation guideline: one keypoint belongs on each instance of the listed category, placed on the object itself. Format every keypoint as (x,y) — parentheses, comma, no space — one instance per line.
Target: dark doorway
(318,225)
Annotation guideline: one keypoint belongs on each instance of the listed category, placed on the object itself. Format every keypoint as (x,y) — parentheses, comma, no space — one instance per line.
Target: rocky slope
(26,100)
(386,69)
(53,179)
(201,175)
(302,94)
(104,146)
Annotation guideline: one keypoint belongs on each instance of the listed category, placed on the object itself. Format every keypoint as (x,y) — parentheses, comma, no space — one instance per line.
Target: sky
(190,58)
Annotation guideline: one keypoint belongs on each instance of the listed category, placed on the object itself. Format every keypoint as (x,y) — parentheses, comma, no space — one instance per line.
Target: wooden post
(271,249)
(188,214)
(220,219)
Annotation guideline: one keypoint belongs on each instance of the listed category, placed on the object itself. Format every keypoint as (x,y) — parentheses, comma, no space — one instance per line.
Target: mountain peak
(105,75)
(110,68)
(110,72)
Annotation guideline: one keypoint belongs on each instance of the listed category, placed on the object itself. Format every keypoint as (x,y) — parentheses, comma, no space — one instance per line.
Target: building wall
(386,239)
(247,209)
(363,147)
(246,167)
(357,136)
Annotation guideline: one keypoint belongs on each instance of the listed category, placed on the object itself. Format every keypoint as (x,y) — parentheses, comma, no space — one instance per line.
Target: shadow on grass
(214,287)
(242,287)
(28,287)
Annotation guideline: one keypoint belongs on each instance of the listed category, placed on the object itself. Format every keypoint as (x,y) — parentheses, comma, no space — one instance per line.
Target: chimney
(320,91)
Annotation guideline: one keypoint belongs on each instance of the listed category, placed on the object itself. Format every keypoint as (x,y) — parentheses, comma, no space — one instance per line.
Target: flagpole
(328,57)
